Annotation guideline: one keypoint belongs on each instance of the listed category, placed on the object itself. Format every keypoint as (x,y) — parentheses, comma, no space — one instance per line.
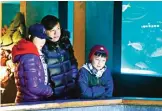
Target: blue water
(142,24)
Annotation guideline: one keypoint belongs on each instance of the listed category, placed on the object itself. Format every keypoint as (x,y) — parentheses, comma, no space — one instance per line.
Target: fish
(124,7)
(136,45)
(157,53)
(141,65)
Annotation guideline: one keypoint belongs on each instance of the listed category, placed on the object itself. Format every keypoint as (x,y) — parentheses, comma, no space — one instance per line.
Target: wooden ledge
(141,101)
(59,104)
(81,103)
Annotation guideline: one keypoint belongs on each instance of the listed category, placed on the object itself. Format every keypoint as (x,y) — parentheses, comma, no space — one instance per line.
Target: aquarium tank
(141,51)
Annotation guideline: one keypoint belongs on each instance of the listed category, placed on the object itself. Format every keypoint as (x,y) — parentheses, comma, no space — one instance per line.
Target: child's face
(54,33)
(39,43)
(98,62)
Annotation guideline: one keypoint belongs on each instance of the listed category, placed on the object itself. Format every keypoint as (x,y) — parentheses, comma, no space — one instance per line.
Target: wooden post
(79,32)
(23,8)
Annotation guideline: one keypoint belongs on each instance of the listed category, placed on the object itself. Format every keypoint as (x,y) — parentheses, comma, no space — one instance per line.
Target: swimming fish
(124,7)
(141,65)
(157,53)
(136,45)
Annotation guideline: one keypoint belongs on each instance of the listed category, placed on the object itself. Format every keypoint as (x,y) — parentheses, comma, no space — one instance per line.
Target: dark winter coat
(62,66)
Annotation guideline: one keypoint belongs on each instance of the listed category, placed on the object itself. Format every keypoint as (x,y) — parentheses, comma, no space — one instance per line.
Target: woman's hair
(31,38)
(49,21)
(101,53)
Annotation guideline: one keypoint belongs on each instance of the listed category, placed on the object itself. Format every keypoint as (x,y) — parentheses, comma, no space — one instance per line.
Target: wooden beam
(23,8)
(63,104)
(79,32)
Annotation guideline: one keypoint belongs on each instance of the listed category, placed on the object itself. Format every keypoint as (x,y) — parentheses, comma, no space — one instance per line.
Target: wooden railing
(81,103)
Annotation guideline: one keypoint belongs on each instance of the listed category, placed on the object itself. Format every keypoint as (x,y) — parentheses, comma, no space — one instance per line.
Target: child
(31,76)
(95,80)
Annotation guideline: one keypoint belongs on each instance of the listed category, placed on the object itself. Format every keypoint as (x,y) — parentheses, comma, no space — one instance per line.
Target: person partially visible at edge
(59,55)
(95,80)
(31,76)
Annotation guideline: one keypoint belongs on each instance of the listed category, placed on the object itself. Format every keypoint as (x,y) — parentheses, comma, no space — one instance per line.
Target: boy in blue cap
(31,76)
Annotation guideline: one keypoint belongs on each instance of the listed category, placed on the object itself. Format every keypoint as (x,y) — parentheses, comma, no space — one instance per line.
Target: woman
(31,70)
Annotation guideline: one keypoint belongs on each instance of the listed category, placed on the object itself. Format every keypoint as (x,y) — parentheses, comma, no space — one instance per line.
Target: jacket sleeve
(74,63)
(65,40)
(109,85)
(30,64)
(72,58)
(86,90)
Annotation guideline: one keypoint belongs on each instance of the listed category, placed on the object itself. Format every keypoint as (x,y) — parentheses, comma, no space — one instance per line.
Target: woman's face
(98,62)
(54,33)
(39,43)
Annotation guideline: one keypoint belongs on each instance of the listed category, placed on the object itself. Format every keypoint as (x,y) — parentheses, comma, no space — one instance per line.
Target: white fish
(157,53)
(136,45)
(159,39)
(124,7)
(141,65)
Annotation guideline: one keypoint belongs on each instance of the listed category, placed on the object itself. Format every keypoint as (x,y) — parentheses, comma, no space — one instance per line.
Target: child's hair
(100,53)
(49,21)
